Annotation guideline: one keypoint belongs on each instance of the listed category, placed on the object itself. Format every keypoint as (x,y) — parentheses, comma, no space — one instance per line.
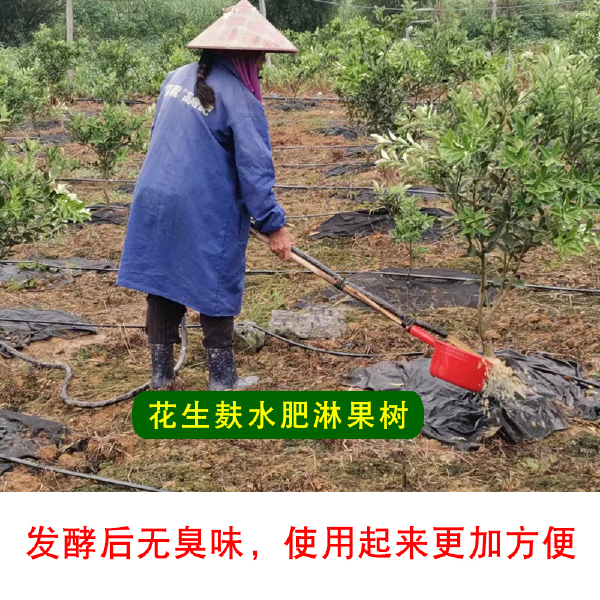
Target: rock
(248,339)
(313,323)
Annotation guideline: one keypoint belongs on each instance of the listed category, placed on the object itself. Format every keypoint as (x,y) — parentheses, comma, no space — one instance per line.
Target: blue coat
(205,174)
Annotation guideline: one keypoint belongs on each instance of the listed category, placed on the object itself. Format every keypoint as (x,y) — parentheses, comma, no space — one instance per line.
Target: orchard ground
(103,441)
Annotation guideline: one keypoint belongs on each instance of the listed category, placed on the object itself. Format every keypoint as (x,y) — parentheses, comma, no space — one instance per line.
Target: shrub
(585,35)
(451,58)
(118,57)
(517,158)
(299,16)
(501,34)
(5,120)
(54,58)
(296,71)
(411,223)
(110,135)
(375,76)
(24,95)
(144,19)
(380,73)
(32,205)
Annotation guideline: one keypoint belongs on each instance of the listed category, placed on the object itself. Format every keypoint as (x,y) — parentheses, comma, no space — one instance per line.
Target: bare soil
(103,441)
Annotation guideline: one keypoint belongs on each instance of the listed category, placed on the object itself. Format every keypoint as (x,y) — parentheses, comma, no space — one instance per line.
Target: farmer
(207,172)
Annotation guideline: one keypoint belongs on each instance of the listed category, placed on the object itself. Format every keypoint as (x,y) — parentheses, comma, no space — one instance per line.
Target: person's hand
(281,242)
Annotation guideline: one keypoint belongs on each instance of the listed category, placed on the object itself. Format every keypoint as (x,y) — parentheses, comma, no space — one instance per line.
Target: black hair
(203,91)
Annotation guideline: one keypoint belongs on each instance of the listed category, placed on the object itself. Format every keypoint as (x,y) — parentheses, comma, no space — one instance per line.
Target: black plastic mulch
(41,126)
(348,168)
(21,436)
(288,105)
(360,150)
(116,214)
(126,188)
(18,334)
(365,223)
(458,417)
(339,130)
(411,295)
(52,139)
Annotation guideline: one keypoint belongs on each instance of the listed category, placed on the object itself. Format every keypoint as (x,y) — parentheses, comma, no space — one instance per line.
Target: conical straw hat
(242,28)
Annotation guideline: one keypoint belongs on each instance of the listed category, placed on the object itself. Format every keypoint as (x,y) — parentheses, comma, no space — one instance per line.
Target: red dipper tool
(452,360)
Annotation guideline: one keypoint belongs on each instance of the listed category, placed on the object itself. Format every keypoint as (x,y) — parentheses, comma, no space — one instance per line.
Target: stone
(313,323)
(247,339)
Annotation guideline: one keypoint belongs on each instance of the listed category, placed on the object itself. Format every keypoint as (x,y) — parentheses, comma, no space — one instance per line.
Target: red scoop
(464,369)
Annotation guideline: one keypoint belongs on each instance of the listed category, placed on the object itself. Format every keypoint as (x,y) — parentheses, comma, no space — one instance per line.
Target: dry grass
(103,441)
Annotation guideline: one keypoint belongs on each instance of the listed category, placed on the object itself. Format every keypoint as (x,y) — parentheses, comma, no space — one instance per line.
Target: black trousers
(163,318)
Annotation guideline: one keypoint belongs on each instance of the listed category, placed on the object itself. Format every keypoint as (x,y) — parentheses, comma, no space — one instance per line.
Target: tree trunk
(486,343)
(105,192)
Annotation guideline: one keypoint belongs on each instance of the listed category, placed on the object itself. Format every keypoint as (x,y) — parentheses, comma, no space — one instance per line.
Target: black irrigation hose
(67,323)
(332,147)
(36,465)
(100,101)
(356,163)
(59,267)
(331,214)
(587,382)
(14,352)
(278,186)
(528,286)
(334,352)
(129,395)
(69,372)
(322,187)
(300,99)
(309,98)
(92,180)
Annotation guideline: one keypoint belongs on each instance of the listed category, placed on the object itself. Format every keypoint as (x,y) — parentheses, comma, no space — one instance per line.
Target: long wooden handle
(348,289)
(352,291)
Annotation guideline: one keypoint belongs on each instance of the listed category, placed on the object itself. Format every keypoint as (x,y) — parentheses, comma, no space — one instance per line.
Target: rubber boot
(163,366)
(223,373)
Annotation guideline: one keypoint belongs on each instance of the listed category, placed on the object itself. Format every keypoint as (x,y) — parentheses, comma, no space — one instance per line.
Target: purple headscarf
(245,64)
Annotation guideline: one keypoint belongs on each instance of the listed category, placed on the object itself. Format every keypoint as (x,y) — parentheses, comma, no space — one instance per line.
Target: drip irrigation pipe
(333,147)
(587,382)
(92,180)
(14,352)
(36,465)
(333,164)
(333,352)
(322,187)
(59,267)
(529,286)
(69,372)
(331,214)
(278,186)
(100,101)
(302,98)
(449,9)
(298,98)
